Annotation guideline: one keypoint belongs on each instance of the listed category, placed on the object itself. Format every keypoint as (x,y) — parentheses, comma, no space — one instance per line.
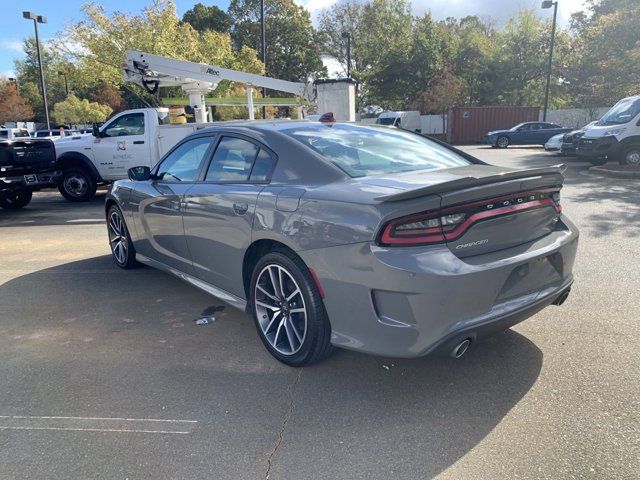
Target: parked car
(570,140)
(26,165)
(13,133)
(409,120)
(528,133)
(340,235)
(553,144)
(616,136)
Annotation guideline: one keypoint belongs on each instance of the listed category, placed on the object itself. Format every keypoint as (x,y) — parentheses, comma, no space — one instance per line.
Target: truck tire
(15,199)
(77,185)
(630,155)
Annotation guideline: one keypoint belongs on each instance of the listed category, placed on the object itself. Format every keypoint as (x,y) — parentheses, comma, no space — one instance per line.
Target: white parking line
(85,220)
(28,417)
(116,430)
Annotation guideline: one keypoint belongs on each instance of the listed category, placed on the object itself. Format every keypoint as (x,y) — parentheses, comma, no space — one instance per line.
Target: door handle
(240,208)
(138,142)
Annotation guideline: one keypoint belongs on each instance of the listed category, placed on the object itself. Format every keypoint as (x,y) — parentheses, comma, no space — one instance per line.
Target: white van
(616,136)
(406,120)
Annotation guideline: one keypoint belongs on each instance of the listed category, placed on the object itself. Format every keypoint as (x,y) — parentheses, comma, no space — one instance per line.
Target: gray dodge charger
(340,235)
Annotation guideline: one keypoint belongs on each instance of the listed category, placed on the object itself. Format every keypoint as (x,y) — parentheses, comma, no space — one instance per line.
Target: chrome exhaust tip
(460,349)
(562,297)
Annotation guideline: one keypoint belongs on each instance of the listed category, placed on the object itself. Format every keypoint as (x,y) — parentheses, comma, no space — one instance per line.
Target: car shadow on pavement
(126,340)
(51,208)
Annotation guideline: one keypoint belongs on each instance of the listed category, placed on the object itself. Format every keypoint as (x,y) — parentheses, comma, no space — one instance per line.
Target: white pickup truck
(129,139)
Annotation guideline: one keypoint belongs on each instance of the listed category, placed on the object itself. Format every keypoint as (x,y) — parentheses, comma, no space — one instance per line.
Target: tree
(101,40)
(605,55)
(107,94)
(293,52)
(202,18)
(343,17)
(13,107)
(74,111)
(446,91)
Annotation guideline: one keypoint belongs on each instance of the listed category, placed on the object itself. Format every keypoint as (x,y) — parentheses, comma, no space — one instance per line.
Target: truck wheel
(631,156)
(503,142)
(77,185)
(15,199)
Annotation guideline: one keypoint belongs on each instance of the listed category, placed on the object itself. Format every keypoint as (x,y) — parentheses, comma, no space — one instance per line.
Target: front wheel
(122,249)
(631,156)
(288,310)
(77,185)
(503,142)
(15,199)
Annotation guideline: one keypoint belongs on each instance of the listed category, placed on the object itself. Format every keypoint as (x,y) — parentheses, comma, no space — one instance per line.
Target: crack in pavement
(284,423)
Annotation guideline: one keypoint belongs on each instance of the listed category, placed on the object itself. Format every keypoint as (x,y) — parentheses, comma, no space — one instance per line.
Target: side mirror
(139,174)
(95,131)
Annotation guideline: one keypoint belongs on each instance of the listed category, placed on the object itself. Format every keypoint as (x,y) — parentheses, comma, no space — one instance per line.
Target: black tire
(77,185)
(503,142)
(598,161)
(315,344)
(122,249)
(15,199)
(630,155)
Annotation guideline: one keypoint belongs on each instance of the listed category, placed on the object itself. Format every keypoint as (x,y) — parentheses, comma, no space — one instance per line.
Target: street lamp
(36,20)
(347,35)
(263,45)
(549,4)
(66,85)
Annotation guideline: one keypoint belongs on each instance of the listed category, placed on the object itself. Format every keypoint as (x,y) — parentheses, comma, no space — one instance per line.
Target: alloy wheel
(118,238)
(280,309)
(503,142)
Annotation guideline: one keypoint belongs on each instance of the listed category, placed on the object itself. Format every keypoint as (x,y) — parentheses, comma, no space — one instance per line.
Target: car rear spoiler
(466,182)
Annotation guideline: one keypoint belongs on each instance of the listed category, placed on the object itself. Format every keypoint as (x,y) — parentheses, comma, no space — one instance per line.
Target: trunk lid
(495,208)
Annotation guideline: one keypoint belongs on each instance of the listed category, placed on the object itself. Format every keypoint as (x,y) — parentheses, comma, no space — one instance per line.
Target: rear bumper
(603,148)
(31,181)
(409,302)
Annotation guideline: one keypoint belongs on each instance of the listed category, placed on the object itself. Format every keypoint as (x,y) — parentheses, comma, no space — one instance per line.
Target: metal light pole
(549,4)
(264,56)
(66,85)
(347,35)
(36,20)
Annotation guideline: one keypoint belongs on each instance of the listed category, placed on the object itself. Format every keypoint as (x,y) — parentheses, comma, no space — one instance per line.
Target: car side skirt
(223,295)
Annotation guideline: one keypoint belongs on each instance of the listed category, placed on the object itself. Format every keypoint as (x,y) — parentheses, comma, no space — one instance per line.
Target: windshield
(361,151)
(386,121)
(517,127)
(622,112)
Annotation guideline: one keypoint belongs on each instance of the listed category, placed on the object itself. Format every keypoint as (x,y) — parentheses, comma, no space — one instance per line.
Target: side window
(131,124)
(232,161)
(262,167)
(183,163)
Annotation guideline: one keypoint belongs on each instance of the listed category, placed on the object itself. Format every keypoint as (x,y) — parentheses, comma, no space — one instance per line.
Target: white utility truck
(11,133)
(616,136)
(142,136)
(409,120)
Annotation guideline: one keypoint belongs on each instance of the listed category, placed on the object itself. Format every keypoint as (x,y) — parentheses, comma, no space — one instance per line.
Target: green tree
(100,41)
(446,91)
(343,17)
(292,49)
(605,53)
(75,111)
(202,18)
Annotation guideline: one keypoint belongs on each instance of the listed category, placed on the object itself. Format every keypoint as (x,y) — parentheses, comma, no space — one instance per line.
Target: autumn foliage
(13,107)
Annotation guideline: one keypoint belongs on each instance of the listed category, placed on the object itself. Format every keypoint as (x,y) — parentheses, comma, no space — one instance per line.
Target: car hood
(496,132)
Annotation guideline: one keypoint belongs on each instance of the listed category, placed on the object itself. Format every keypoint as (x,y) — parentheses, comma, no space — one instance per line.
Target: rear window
(362,151)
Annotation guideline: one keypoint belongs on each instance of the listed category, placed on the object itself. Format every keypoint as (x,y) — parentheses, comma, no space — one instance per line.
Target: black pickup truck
(26,165)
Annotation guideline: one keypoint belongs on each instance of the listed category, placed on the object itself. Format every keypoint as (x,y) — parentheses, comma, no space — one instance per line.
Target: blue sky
(13,28)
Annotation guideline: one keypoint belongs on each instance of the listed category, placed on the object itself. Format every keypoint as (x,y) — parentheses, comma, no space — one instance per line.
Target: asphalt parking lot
(104,373)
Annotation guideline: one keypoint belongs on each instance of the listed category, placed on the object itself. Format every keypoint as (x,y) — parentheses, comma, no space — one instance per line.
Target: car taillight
(448,224)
